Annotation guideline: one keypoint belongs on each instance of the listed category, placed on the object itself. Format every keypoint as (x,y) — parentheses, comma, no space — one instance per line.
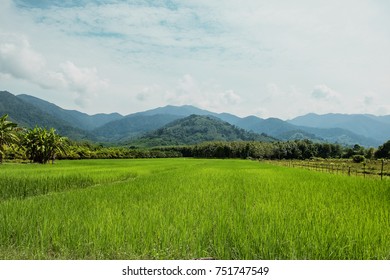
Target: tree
(383,151)
(8,135)
(43,145)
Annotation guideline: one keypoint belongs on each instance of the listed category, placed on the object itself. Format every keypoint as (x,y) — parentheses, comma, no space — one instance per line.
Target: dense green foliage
(298,149)
(38,145)
(8,135)
(186,208)
(383,150)
(42,145)
(92,151)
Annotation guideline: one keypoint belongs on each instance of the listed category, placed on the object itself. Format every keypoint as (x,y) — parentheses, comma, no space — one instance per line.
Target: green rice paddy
(189,208)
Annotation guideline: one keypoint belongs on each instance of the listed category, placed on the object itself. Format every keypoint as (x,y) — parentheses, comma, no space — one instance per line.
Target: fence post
(349,170)
(364,169)
(383,161)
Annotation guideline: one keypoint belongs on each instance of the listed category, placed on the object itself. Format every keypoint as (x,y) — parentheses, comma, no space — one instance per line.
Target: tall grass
(183,209)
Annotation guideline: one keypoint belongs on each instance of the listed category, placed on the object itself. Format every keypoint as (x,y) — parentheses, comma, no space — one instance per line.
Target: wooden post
(364,170)
(383,161)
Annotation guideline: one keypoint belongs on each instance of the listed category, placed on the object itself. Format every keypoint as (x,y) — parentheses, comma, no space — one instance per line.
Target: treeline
(87,150)
(298,149)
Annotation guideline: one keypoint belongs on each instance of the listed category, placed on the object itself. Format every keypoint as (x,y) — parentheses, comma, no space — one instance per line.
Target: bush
(358,158)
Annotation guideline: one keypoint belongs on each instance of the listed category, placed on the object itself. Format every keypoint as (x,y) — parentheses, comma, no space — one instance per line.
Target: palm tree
(8,135)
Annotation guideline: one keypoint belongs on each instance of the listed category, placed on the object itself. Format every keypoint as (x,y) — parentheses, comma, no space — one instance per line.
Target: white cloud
(372,103)
(18,59)
(85,82)
(147,93)
(368,100)
(207,94)
(230,97)
(323,92)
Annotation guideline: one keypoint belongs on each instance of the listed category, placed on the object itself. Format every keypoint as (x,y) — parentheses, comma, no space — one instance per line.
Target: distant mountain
(196,129)
(28,115)
(132,126)
(76,118)
(271,126)
(342,136)
(136,124)
(183,111)
(286,131)
(366,125)
(187,110)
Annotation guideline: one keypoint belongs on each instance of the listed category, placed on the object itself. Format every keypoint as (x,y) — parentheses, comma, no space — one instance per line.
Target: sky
(246,57)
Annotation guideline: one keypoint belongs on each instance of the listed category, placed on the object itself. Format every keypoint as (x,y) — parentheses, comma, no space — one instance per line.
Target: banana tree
(43,145)
(8,135)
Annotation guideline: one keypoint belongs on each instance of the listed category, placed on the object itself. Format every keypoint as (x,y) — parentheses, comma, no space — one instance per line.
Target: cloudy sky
(246,57)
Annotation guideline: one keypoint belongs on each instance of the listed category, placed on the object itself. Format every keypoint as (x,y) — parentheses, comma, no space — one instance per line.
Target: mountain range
(176,124)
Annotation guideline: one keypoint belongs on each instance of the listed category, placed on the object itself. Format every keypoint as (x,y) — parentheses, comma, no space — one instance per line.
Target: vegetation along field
(189,208)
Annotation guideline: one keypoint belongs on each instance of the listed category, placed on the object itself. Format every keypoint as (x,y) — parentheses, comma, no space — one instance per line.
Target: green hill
(197,129)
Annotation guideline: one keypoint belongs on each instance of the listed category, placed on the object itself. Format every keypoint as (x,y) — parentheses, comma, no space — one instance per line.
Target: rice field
(189,208)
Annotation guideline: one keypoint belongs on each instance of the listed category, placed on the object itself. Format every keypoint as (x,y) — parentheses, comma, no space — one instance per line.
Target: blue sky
(250,57)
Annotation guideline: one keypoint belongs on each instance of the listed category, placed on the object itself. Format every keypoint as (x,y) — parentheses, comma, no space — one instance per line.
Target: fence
(372,168)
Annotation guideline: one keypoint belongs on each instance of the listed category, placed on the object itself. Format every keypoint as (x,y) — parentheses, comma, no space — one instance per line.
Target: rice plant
(191,208)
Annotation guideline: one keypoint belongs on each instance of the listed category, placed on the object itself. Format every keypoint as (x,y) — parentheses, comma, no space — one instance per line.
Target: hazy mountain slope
(135,124)
(287,131)
(185,111)
(132,126)
(27,115)
(76,118)
(196,129)
(365,125)
(342,136)
(271,126)
(385,119)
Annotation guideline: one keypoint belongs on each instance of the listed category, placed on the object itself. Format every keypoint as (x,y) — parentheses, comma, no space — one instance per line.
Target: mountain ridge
(28,115)
(79,119)
(115,127)
(377,127)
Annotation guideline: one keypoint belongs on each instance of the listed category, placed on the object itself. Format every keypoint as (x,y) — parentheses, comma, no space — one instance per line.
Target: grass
(188,208)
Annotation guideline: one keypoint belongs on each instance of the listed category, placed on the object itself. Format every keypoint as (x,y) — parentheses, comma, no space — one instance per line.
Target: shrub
(358,158)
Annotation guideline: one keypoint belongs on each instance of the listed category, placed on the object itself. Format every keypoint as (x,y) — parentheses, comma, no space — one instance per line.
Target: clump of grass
(25,186)
(23,181)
